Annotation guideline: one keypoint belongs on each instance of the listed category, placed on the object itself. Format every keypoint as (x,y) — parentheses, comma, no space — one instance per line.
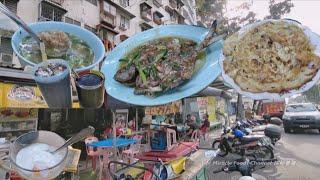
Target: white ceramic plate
(206,75)
(314,39)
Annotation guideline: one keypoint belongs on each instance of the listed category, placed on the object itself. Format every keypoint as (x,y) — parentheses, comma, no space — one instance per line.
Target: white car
(301,116)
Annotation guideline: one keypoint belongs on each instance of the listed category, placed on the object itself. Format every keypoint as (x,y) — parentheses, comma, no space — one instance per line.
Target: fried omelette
(275,57)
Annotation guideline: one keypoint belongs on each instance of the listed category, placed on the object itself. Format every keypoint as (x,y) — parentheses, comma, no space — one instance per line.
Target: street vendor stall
(178,73)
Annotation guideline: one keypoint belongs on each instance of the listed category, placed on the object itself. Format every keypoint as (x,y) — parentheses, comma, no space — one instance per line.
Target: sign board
(171,108)
(211,108)
(202,105)
(22,96)
(18,96)
(18,114)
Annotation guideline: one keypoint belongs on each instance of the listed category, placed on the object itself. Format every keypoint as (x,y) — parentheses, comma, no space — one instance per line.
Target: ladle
(76,138)
(22,24)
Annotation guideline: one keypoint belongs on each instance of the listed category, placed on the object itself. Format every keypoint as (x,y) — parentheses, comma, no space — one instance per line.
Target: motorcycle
(271,130)
(231,141)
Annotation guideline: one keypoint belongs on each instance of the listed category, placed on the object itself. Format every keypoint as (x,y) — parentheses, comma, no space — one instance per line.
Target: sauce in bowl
(89,80)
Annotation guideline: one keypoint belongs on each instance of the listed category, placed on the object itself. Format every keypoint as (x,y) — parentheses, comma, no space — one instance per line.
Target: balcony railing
(145,11)
(108,19)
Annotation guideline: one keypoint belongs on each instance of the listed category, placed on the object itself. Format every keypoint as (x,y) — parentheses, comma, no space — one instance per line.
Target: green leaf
(142,75)
(154,72)
(147,71)
(123,60)
(134,59)
(160,55)
(161,47)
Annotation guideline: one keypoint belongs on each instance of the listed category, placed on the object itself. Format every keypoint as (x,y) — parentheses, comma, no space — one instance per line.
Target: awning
(145,4)
(99,26)
(123,37)
(220,84)
(158,14)
(145,25)
(210,91)
(13,75)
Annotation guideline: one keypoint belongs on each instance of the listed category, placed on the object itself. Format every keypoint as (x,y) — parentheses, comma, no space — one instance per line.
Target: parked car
(301,116)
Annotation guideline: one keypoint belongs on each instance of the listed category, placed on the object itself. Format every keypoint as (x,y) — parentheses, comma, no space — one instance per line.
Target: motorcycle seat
(250,138)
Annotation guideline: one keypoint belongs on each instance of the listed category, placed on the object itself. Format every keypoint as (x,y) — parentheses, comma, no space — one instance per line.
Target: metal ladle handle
(76,138)
(16,19)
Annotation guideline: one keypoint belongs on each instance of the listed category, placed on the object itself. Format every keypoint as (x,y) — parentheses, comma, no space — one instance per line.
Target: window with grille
(94,2)
(124,23)
(90,28)
(50,12)
(124,3)
(11,4)
(72,21)
(109,8)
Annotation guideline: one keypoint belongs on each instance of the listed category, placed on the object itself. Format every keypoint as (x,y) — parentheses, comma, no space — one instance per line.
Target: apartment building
(112,20)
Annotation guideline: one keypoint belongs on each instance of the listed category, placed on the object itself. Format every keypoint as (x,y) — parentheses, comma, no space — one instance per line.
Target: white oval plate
(200,80)
(314,39)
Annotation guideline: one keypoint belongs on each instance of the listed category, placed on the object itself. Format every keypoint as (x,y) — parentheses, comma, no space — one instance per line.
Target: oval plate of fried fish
(160,65)
(271,59)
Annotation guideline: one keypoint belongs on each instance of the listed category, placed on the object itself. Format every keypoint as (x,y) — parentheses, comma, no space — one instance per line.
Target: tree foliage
(313,94)
(278,9)
(208,10)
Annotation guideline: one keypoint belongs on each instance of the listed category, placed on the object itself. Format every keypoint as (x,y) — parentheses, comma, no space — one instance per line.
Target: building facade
(112,20)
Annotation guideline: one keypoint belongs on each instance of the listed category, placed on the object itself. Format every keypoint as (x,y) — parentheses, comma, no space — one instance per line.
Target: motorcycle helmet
(238,133)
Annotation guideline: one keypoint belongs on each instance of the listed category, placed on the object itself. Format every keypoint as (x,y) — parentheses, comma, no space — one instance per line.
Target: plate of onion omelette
(271,59)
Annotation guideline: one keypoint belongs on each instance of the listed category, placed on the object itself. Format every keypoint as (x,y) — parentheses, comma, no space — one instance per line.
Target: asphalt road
(298,155)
